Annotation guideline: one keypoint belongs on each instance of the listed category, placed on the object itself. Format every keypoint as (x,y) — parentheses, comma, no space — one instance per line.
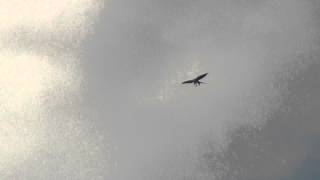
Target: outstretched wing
(186,82)
(201,76)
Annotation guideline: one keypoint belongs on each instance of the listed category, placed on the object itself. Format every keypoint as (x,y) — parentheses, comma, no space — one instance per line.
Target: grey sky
(130,117)
(251,49)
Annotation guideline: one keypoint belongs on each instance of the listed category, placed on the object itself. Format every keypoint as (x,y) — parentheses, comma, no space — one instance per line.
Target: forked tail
(197,83)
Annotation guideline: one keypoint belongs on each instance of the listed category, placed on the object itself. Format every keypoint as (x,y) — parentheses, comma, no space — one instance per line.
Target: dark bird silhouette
(196,81)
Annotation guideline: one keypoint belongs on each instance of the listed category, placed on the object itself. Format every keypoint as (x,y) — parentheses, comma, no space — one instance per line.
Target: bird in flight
(196,81)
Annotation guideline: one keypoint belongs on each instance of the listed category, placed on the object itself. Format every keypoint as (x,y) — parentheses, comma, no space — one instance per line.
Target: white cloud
(36,81)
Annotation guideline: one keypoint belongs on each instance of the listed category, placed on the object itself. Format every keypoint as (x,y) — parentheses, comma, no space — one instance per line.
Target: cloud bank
(43,135)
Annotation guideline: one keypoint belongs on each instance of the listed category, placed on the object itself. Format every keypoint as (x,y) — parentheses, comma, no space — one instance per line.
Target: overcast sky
(92,90)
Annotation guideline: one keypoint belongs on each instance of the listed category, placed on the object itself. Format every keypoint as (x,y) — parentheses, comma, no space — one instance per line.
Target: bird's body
(196,81)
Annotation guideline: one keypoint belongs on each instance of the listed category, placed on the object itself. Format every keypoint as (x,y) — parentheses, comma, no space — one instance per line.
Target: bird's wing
(189,81)
(201,76)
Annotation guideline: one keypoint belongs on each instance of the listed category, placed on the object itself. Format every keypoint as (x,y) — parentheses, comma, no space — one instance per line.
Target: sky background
(92,89)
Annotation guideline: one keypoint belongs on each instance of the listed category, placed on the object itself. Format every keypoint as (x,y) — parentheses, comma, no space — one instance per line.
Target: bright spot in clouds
(39,75)
(44,14)
(25,79)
